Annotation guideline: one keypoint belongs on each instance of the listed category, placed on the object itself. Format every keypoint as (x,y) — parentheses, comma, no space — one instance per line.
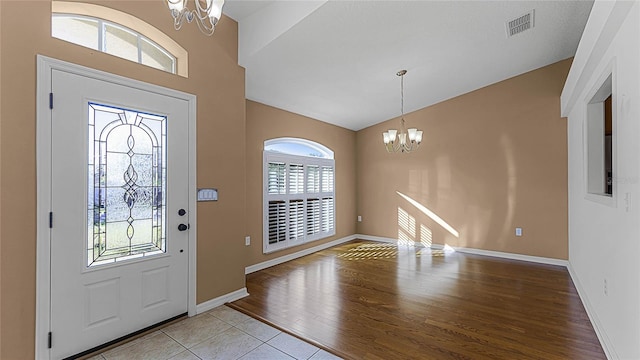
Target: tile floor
(221,333)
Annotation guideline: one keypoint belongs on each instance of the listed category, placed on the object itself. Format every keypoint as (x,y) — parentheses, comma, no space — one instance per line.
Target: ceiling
(336,61)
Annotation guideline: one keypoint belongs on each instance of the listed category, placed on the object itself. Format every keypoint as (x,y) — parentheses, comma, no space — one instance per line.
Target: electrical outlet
(518,231)
(247,240)
(359,218)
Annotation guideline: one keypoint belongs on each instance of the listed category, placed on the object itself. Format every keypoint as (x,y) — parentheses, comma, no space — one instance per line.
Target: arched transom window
(299,192)
(116,33)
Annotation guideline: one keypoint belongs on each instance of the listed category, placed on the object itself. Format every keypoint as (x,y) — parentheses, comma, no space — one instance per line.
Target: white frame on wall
(327,160)
(594,157)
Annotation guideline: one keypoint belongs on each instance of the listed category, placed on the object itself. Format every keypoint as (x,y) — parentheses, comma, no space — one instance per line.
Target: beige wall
(217,81)
(266,122)
(491,160)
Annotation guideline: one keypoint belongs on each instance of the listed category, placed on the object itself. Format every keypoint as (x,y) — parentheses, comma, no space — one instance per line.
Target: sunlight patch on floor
(389,251)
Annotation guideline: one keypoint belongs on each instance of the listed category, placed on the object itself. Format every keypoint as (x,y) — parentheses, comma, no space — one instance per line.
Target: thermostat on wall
(208,194)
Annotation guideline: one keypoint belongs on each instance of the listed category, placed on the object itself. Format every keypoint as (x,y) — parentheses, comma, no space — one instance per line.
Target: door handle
(183,227)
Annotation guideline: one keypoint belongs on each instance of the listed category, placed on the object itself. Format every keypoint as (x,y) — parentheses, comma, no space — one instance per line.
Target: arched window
(117,33)
(299,192)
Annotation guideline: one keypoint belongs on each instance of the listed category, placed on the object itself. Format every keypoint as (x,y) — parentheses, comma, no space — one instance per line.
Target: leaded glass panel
(126,208)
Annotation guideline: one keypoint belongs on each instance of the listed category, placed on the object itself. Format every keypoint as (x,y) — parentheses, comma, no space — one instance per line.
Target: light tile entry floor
(221,333)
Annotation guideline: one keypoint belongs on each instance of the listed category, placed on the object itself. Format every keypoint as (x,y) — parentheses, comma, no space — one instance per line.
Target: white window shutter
(299,199)
(296,178)
(276,178)
(277,221)
(296,220)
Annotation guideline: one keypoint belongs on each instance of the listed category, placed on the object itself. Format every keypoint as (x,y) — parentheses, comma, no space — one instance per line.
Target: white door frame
(43,185)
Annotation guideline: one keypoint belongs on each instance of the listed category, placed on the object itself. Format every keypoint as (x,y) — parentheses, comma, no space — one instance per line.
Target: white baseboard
(512,256)
(279,260)
(221,300)
(376,238)
(499,254)
(607,346)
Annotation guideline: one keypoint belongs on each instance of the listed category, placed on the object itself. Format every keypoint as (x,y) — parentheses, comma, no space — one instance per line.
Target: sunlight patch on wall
(406,228)
(426,236)
(429,213)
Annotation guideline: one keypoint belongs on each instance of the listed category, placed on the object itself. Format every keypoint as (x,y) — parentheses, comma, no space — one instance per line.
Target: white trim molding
(499,254)
(512,256)
(605,342)
(603,24)
(221,300)
(376,238)
(282,259)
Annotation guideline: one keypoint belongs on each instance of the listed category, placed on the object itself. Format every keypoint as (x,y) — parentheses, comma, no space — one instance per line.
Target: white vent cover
(520,24)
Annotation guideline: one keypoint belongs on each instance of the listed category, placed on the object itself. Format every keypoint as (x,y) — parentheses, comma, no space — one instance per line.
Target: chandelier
(206,14)
(403,140)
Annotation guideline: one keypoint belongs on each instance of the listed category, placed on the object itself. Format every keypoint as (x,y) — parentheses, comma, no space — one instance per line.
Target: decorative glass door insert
(126,209)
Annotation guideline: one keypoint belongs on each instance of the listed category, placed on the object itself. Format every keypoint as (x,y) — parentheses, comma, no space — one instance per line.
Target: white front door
(120,210)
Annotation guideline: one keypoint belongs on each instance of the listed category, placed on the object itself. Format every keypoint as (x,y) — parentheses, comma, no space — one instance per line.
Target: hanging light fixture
(206,14)
(402,140)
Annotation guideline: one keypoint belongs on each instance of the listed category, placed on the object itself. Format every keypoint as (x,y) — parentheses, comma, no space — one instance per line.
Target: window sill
(279,247)
(603,199)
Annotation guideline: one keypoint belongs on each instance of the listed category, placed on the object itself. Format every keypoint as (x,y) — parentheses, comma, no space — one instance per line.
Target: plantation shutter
(327,214)
(327,179)
(313,216)
(277,221)
(296,178)
(313,179)
(276,178)
(296,220)
(299,199)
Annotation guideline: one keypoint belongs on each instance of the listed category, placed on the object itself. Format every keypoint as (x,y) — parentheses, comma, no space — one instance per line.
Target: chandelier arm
(203,13)
(178,18)
(394,147)
(204,28)
(397,146)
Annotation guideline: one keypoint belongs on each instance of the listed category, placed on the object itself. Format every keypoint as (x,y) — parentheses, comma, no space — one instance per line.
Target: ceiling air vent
(520,24)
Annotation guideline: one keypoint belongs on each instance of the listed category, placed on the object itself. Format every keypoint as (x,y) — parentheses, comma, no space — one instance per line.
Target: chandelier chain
(402,96)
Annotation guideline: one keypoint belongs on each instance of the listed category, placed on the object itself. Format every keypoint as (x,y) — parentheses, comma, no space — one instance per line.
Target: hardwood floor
(365,300)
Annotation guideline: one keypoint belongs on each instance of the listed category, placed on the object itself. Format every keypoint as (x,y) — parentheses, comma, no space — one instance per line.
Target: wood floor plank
(364,300)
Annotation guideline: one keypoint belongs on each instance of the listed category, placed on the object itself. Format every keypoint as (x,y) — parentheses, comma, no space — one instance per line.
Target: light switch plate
(208,194)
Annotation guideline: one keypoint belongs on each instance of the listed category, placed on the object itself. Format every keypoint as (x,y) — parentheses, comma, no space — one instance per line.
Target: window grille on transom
(112,38)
